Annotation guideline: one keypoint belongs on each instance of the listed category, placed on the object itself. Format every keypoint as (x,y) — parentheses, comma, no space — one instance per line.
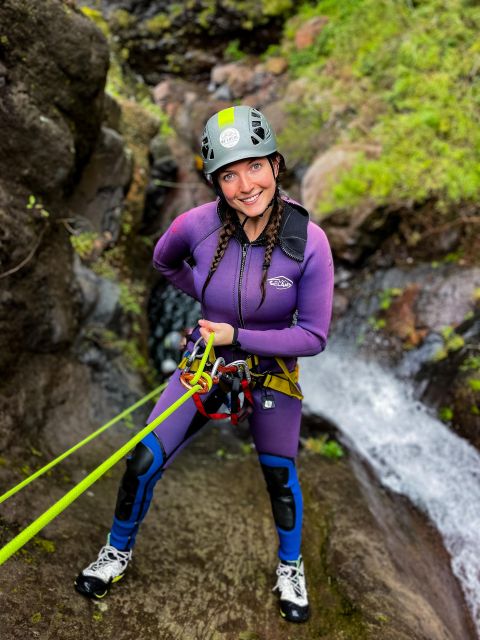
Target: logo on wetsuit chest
(280,282)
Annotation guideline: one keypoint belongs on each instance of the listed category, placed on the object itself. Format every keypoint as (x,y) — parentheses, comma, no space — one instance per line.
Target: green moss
(36,617)
(387,295)
(377,323)
(409,78)
(97,615)
(97,17)
(131,350)
(158,24)
(325,447)
(83,243)
(45,545)
(233,52)
(445,414)
(132,295)
(121,19)
(474,384)
(472,363)
(339,616)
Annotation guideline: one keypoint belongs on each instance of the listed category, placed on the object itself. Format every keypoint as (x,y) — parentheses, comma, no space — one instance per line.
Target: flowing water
(411,452)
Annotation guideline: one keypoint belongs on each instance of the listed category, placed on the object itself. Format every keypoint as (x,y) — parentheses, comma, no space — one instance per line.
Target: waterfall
(412,452)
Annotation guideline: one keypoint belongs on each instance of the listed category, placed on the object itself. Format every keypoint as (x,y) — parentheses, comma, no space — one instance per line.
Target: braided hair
(229,217)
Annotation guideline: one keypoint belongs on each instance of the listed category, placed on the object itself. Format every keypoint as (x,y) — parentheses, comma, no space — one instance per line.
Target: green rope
(24,536)
(93,435)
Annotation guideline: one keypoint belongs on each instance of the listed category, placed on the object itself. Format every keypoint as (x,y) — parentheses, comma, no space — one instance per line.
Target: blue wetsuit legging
(275,432)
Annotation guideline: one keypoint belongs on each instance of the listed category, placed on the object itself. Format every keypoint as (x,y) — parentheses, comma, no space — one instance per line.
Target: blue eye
(227,177)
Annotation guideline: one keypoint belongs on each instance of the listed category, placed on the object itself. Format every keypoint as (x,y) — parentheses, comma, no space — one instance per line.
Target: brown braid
(226,233)
(272,230)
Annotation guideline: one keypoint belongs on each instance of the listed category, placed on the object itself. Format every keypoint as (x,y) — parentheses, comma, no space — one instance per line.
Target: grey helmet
(235,134)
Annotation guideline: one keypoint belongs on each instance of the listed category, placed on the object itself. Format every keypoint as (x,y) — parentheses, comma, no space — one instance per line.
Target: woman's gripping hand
(223,332)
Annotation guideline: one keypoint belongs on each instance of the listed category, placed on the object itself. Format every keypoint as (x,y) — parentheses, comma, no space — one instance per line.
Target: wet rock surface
(166,37)
(204,562)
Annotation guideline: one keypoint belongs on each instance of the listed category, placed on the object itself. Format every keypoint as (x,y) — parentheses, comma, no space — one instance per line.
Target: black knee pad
(137,465)
(281,496)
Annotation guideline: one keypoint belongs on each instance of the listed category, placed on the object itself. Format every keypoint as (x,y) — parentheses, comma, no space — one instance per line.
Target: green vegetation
(472,363)
(45,545)
(445,414)
(403,77)
(83,243)
(474,384)
(37,206)
(328,448)
(452,341)
(233,52)
(386,297)
(121,82)
(158,24)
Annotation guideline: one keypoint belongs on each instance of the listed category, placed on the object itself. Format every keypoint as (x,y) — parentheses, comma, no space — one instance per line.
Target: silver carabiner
(242,367)
(218,363)
(193,354)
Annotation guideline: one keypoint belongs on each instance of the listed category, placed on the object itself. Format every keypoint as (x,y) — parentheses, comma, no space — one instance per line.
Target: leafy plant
(474,384)
(233,52)
(452,341)
(445,414)
(37,206)
(83,243)
(329,448)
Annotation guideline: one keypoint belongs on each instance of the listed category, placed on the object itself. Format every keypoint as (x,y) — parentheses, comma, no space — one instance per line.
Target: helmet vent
(212,155)
(205,151)
(260,132)
(256,123)
(255,140)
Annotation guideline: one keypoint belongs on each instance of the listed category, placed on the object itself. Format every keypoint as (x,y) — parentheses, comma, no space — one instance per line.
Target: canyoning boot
(95,580)
(292,590)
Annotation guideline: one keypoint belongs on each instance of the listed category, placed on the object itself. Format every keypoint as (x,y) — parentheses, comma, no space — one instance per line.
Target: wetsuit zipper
(242,268)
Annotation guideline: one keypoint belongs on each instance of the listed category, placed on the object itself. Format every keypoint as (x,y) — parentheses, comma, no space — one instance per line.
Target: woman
(264,275)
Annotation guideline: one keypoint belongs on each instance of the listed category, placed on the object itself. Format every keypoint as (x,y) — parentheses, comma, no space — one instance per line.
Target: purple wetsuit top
(300,288)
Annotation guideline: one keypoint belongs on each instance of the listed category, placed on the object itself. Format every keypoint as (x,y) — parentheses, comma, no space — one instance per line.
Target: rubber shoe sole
(94,588)
(294,613)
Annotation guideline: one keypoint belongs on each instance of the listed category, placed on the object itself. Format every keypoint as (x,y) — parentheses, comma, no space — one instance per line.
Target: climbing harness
(285,382)
(234,377)
(24,536)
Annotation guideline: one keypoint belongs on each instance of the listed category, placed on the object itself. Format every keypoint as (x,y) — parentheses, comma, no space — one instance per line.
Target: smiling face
(249,185)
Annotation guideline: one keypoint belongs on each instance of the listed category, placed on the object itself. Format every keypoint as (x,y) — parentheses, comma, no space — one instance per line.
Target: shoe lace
(291,576)
(109,554)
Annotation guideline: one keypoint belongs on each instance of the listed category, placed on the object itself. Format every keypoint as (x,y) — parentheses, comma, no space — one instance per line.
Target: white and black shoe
(292,590)
(95,580)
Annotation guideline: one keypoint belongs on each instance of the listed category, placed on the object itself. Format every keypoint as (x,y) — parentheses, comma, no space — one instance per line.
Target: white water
(412,453)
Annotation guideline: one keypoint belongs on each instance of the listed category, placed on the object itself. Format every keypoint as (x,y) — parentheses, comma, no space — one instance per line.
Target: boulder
(355,233)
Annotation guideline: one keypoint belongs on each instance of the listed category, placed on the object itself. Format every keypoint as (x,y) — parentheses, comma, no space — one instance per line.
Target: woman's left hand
(223,332)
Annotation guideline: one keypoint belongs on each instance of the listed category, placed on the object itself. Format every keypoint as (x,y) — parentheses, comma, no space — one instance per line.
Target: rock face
(375,569)
(53,63)
(187,39)
(52,91)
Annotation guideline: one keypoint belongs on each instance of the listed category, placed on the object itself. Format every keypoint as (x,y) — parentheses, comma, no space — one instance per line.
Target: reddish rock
(401,317)
(308,32)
